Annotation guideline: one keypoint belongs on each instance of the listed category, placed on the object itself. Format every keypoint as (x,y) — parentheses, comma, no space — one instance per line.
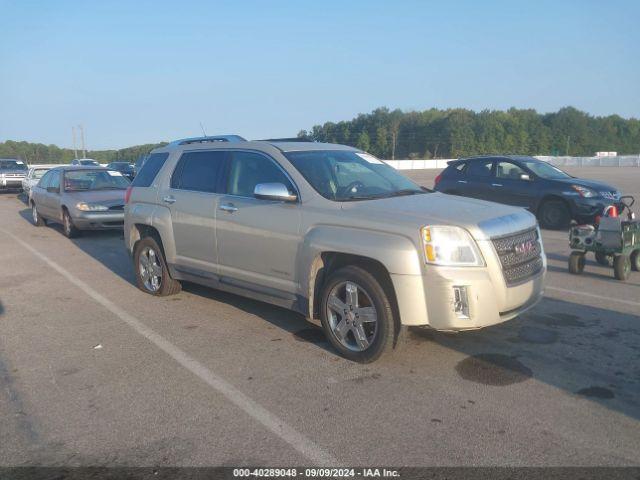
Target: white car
(33,177)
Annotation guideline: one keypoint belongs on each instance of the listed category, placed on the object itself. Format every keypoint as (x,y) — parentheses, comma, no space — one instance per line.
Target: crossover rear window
(149,170)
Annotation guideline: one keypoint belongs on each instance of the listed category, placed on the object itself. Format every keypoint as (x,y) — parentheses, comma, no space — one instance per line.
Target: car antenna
(203,132)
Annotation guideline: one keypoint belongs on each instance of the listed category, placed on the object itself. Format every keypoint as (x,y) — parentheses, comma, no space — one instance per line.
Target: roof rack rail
(290,139)
(208,139)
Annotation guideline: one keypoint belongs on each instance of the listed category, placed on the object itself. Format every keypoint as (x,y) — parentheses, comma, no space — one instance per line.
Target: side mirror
(524,176)
(53,189)
(274,191)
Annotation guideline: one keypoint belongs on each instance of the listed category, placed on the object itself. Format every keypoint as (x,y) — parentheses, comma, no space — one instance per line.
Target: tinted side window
(248,169)
(55,179)
(198,171)
(44,181)
(149,170)
(479,168)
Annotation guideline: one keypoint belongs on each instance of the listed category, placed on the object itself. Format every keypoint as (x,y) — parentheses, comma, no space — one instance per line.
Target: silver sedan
(80,198)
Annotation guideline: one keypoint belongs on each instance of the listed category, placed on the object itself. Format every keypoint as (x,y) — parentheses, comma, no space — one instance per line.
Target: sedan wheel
(38,221)
(352,317)
(150,269)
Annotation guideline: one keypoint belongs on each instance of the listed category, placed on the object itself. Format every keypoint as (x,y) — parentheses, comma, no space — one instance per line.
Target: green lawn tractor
(614,240)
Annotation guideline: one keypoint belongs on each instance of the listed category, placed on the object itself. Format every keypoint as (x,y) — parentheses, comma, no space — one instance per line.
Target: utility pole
(84,151)
(75,150)
(567,150)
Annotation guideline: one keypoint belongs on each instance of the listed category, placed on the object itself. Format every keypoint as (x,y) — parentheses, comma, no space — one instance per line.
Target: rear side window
(199,171)
(479,168)
(149,170)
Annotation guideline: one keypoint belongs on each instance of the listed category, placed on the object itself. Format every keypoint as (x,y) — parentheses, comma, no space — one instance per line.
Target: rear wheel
(576,263)
(635,260)
(38,221)
(356,315)
(554,215)
(621,267)
(603,259)
(152,274)
(68,227)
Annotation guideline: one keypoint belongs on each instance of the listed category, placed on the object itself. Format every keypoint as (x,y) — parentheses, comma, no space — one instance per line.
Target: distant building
(606,154)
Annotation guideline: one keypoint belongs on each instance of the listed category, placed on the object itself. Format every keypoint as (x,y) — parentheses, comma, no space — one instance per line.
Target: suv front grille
(520,255)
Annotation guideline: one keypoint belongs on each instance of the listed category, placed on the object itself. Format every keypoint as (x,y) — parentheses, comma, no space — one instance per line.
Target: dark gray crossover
(80,198)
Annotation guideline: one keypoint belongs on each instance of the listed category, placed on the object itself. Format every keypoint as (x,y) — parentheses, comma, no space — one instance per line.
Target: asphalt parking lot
(95,372)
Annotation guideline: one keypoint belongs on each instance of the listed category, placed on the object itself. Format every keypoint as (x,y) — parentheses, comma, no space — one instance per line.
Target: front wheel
(576,263)
(356,315)
(38,221)
(152,274)
(554,215)
(621,267)
(68,227)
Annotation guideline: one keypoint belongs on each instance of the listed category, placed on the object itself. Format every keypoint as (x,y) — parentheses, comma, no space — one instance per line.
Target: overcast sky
(143,71)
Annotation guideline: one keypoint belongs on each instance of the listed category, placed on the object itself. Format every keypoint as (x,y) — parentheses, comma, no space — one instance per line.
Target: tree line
(454,133)
(432,133)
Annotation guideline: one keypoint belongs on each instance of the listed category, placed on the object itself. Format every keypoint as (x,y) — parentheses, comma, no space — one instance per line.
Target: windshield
(545,170)
(12,165)
(343,175)
(81,180)
(39,172)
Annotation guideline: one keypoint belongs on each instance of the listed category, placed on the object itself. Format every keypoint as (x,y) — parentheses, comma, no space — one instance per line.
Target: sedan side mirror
(274,191)
(525,176)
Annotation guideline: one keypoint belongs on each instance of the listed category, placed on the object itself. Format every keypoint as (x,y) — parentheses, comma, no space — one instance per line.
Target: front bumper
(430,299)
(99,220)
(11,183)
(585,210)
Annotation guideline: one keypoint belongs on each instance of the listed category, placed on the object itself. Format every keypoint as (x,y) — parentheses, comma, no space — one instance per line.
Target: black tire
(38,221)
(621,267)
(69,229)
(554,215)
(603,259)
(576,262)
(635,261)
(166,285)
(369,293)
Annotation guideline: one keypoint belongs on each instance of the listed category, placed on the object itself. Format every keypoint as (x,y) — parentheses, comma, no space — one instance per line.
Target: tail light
(127,194)
(437,180)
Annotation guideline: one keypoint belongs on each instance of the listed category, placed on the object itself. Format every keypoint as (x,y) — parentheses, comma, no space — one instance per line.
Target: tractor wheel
(621,267)
(635,260)
(576,263)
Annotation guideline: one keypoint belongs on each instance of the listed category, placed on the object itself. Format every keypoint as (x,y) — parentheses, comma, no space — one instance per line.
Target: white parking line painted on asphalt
(295,439)
(593,295)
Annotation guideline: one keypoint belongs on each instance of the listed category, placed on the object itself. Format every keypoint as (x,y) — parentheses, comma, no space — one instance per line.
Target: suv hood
(12,171)
(592,184)
(482,219)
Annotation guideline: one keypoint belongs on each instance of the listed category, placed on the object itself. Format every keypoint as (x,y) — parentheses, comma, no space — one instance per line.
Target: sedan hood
(102,197)
(483,219)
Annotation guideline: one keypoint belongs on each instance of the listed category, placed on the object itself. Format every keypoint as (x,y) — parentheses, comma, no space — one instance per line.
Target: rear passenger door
(192,199)
(257,239)
(479,178)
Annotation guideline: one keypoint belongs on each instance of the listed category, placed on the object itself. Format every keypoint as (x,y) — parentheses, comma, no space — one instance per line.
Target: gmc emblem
(525,248)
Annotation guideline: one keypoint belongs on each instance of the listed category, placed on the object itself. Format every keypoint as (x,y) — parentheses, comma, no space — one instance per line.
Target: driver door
(257,239)
(511,188)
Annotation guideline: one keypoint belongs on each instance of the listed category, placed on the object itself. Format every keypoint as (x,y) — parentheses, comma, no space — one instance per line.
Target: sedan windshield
(81,180)
(545,170)
(343,175)
(12,165)
(39,172)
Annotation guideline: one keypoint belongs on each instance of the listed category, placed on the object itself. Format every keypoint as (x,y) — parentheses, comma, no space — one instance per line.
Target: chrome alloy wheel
(150,269)
(66,224)
(34,213)
(352,316)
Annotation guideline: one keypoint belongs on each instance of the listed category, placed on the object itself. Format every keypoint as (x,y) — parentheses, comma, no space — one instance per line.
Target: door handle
(496,184)
(228,207)
(169,199)
(462,181)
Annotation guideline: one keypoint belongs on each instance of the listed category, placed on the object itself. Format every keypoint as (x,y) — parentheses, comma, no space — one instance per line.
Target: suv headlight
(91,207)
(584,191)
(452,246)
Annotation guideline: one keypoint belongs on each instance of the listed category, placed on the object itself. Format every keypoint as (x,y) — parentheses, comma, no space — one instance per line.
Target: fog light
(460,302)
